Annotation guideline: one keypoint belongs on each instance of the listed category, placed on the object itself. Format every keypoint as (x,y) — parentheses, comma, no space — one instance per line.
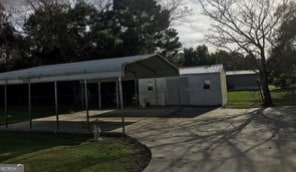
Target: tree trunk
(264,81)
(265,88)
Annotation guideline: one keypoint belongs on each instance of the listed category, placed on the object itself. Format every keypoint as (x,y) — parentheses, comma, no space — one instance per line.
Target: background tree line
(67,31)
(200,56)
(282,63)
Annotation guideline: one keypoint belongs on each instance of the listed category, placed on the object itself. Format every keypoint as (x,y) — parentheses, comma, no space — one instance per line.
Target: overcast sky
(192,31)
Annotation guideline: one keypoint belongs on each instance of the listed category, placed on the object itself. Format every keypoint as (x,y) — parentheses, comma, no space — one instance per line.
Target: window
(149,87)
(207,84)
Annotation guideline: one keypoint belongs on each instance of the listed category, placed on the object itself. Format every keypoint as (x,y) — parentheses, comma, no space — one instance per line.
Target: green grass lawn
(243,99)
(61,152)
(250,99)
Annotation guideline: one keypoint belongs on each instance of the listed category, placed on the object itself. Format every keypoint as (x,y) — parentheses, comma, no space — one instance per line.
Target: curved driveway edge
(220,140)
(197,139)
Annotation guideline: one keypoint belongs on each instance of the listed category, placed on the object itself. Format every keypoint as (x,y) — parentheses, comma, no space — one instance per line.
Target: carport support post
(56,103)
(156,92)
(29,103)
(136,88)
(117,95)
(121,104)
(99,95)
(5,104)
(179,94)
(86,104)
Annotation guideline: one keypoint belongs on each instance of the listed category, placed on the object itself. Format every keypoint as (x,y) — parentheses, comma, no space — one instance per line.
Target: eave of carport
(92,70)
(134,67)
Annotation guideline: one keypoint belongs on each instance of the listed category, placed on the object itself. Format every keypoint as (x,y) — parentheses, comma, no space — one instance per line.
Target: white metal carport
(117,69)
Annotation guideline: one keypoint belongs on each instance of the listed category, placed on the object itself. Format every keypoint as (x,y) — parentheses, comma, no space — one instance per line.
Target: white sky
(193,29)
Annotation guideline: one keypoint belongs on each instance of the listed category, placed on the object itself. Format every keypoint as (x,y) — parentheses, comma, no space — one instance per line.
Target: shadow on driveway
(223,140)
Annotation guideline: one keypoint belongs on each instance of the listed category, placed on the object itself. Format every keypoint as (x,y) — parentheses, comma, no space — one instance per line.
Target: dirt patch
(142,154)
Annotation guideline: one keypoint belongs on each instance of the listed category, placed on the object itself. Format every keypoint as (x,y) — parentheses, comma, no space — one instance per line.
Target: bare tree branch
(248,25)
(177,8)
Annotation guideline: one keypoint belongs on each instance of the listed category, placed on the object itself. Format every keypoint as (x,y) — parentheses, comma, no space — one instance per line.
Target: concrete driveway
(199,139)
(221,140)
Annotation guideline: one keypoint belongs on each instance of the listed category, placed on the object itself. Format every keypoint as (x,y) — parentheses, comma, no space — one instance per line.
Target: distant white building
(196,86)
(242,80)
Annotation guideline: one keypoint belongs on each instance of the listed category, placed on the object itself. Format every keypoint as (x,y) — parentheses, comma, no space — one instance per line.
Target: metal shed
(118,69)
(242,80)
(196,86)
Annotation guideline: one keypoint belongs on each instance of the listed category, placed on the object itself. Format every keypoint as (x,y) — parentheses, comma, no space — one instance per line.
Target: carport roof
(142,66)
(242,72)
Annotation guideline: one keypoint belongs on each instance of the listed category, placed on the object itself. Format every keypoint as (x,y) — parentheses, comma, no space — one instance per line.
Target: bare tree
(247,25)
(177,8)
(103,5)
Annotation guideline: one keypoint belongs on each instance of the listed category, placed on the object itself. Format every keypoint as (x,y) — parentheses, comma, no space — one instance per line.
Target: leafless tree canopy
(247,24)
(178,9)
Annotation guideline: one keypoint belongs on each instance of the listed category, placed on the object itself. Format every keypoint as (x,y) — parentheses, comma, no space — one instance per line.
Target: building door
(177,91)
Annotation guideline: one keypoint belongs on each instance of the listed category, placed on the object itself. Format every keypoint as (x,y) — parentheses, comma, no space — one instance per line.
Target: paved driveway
(221,140)
(200,139)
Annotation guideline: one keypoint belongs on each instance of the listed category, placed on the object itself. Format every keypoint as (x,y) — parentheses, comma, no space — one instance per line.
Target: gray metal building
(196,86)
(242,80)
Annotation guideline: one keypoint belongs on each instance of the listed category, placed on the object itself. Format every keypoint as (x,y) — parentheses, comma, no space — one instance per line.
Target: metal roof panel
(94,69)
(242,72)
(201,69)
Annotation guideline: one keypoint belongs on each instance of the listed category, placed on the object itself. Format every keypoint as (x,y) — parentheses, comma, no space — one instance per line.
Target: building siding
(189,87)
